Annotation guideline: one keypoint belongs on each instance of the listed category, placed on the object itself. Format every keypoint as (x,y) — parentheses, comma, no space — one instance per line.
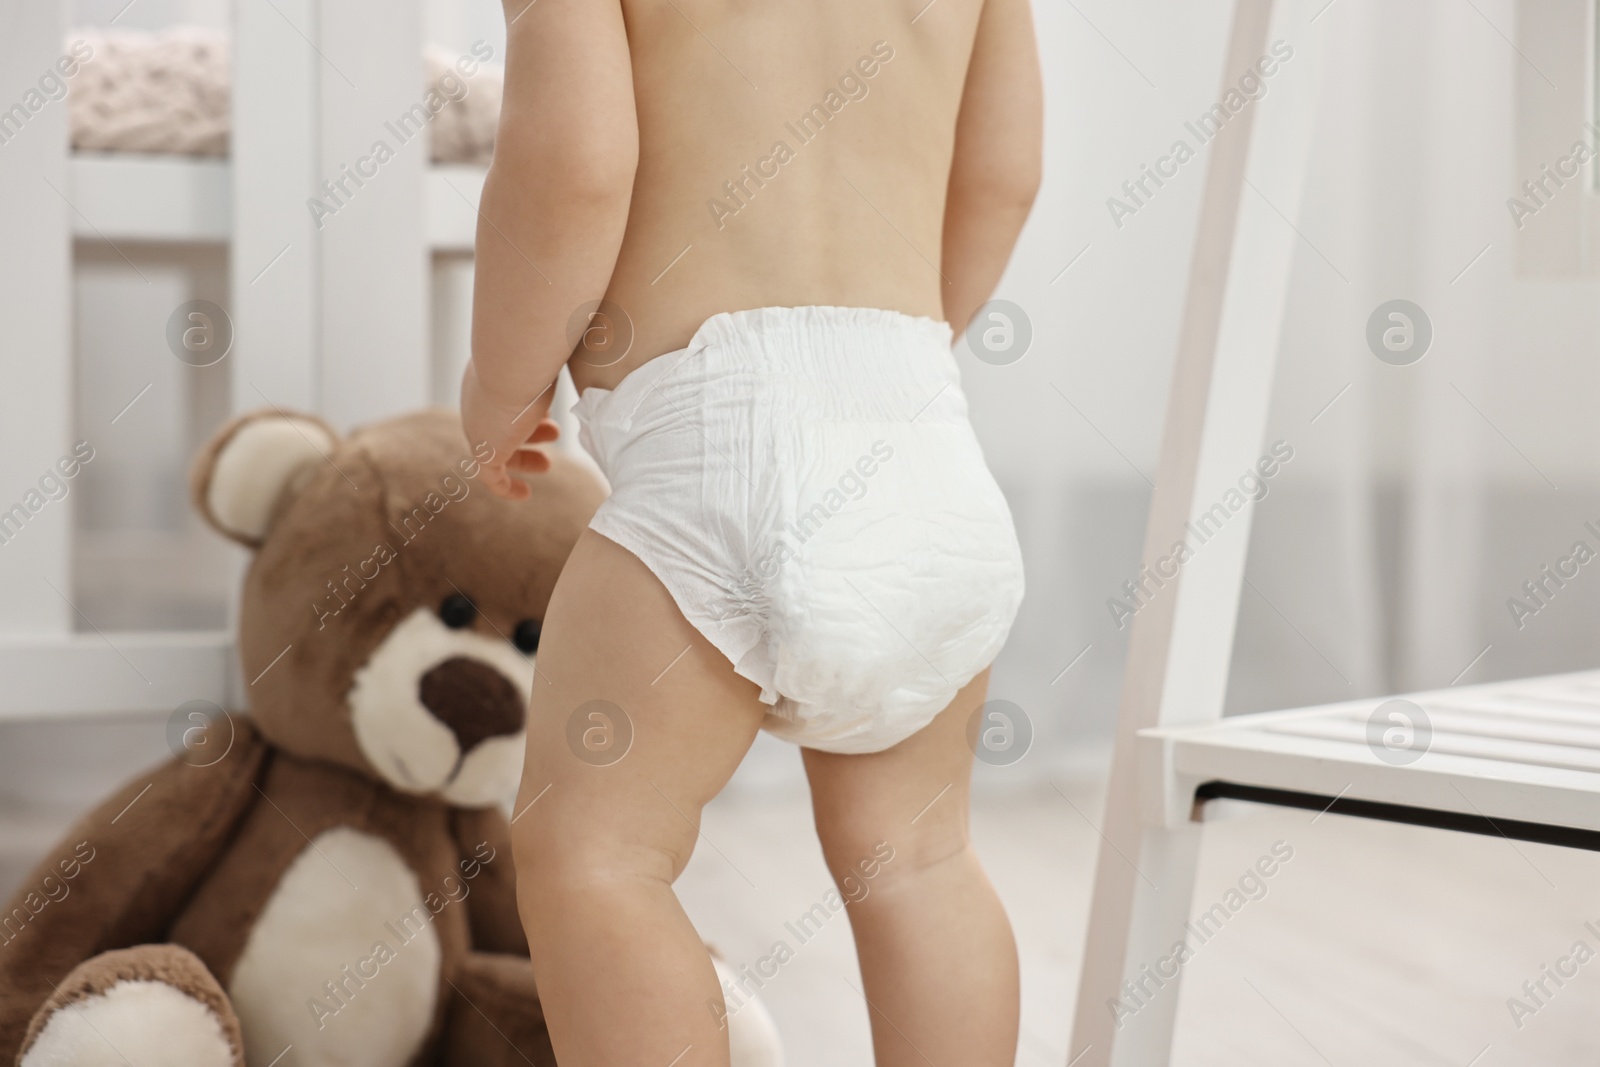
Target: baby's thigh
(911,798)
(636,719)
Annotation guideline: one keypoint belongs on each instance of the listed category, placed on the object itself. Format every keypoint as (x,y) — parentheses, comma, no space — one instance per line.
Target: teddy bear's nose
(473,699)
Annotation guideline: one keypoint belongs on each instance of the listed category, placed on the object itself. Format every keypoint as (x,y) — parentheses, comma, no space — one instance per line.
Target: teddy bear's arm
(495,1019)
(120,875)
(484,839)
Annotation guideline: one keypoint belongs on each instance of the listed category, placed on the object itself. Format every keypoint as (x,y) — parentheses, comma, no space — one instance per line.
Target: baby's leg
(623,977)
(937,956)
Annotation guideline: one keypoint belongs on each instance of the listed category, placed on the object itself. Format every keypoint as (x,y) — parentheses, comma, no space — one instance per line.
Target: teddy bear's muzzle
(473,699)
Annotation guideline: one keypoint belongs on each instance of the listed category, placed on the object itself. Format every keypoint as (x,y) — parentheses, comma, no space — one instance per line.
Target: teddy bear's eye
(526,636)
(457,612)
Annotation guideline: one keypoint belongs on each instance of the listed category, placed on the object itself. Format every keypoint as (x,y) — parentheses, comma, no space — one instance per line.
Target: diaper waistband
(821,330)
(851,362)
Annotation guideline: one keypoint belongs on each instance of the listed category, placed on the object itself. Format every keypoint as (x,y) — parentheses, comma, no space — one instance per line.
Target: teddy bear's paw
(141,1007)
(753,1039)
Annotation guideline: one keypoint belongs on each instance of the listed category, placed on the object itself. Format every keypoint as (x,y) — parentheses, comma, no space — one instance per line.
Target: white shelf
(51,676)
(151,198)
(452,205)
(181,200)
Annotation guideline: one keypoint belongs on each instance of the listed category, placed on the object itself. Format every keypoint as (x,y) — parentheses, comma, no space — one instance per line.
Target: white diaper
(805,483)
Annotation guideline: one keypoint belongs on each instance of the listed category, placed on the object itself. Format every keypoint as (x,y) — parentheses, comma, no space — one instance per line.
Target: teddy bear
(325,878)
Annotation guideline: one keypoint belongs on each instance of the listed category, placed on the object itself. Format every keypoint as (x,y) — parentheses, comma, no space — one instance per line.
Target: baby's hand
(510,430)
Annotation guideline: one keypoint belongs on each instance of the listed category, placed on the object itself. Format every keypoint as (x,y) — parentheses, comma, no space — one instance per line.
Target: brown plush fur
(504,556)
(190,856)
(145,860)
(204,468)
(495,926)
(496,987)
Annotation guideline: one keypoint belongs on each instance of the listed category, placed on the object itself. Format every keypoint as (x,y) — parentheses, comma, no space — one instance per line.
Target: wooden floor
(1374,945)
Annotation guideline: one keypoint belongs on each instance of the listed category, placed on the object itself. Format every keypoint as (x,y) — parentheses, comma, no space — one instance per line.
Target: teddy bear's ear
(253,467)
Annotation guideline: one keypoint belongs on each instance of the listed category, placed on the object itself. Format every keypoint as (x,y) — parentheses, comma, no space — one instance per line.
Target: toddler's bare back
(791,152)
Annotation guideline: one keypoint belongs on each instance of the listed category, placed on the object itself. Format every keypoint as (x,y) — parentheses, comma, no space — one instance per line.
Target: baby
(748,229)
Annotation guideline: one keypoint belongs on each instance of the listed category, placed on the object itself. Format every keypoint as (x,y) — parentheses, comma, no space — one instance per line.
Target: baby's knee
(556,857)
(866,856)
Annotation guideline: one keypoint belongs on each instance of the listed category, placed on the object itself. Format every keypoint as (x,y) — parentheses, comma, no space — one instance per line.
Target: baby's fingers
(529,461)
(499,482)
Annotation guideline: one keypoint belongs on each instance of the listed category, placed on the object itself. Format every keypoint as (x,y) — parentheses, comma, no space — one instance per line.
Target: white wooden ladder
(1182,636)
(1516,759)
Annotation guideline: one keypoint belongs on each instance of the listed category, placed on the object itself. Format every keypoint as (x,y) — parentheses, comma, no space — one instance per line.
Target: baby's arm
(554,207)
(995,173)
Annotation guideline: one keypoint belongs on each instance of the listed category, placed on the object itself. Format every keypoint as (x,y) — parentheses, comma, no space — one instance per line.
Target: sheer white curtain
(1432,491)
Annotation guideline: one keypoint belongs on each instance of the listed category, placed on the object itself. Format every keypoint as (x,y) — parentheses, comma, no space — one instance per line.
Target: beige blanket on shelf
(167,92)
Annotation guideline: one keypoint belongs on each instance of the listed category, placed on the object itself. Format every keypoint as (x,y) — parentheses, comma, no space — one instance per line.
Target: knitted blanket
(168,92)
